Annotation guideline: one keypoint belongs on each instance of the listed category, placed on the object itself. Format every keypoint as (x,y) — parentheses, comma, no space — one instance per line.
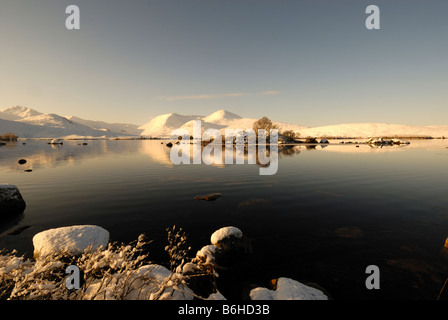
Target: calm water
(324,217)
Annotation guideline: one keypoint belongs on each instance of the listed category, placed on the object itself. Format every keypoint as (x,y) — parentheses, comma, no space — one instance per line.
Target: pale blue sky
(305,62)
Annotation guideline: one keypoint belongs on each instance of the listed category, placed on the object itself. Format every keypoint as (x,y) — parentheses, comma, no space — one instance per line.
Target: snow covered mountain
(365,130)
(17,113)
(29,123)
(164,124)
(123,128)
(221,117)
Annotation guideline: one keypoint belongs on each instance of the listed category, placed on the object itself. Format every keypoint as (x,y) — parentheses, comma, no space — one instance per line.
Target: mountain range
(29,123)
(164,124)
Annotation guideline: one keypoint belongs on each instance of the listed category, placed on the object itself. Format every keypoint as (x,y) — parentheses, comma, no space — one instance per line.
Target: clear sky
(305,62)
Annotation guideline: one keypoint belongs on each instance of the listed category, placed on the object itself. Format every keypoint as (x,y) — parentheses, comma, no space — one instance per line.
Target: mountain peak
(18,112)
(221,116)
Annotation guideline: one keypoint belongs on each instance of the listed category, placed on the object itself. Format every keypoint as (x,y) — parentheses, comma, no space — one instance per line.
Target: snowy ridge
(29,123)
(123,128)
(17,113)
(164,124)
(365,130)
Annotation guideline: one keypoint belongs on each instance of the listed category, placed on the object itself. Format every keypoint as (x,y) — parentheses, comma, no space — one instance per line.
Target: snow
(288,289)
(221,117)
(206,254)
(123,128)
(29,131)
(17,113)
(149,282)
(164,124)
(29,123)
(216,296)
(149,278)
(367,130)
(224,233)
(71,240)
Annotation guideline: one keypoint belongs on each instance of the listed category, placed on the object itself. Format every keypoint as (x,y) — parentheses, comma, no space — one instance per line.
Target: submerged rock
(70,240)
(11,201)
(209,197)
(17,231)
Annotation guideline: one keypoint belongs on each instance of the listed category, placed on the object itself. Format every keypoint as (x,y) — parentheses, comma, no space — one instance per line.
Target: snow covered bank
(122,272)
(11,200)
(70,240)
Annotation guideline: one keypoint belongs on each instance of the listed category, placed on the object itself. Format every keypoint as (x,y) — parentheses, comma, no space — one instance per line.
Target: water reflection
(41,154)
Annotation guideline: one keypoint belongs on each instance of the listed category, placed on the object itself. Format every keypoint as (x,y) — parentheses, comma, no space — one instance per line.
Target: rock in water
(11,201)
(288,289)
(21,161)
(231,246)
(70,240)
(209,197)
(224,234)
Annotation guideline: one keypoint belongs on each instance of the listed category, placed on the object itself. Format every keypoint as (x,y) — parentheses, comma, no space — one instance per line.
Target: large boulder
(11,201)
(72,240)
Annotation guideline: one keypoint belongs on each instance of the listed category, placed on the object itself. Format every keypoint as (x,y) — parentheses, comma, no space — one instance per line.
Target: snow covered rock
(231,246)
(70,240)
(288,289)
(207,254)
(11,200)
(154,281)
(56,141)
(224,233)
(216,296)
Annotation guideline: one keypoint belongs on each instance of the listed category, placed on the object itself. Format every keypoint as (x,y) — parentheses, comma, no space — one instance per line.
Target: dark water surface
(324,217)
